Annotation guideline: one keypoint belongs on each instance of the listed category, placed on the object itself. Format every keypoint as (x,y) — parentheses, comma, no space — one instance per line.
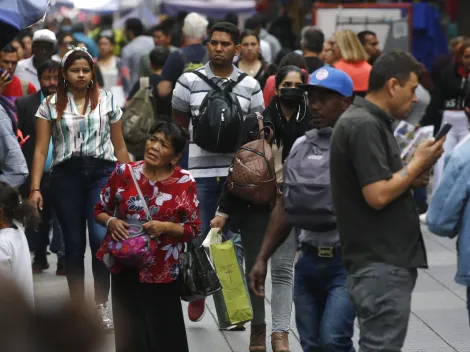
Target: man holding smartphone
(378,224)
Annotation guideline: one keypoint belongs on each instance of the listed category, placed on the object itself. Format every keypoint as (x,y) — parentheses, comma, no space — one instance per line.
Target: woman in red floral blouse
(146,302)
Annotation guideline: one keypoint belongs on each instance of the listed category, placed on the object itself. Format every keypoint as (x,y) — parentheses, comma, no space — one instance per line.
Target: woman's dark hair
(92,93)
(293,59)
(14,208)
(178,135)
(229,28)
(284,71)
(107,36)
(63,35)
(48,65)
(249,33)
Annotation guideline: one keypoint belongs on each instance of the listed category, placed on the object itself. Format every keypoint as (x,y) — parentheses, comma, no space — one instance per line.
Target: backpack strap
(24,87)
(207,80)
(144,82)
(240,78)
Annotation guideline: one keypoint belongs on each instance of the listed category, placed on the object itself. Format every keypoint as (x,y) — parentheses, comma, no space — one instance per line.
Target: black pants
(147,317)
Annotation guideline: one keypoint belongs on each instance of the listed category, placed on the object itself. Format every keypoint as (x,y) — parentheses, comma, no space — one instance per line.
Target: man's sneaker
(39,265)
(105,318)
(60,267)
(196,310)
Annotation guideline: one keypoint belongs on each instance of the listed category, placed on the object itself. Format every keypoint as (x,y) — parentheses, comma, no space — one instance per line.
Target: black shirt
(364,151)
(313,64)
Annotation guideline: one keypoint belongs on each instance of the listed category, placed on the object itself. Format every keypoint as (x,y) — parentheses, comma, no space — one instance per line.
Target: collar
(373,109)
(42,95)
(233,76)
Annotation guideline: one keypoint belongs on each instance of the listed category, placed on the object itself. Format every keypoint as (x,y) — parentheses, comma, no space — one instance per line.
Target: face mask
(292,97)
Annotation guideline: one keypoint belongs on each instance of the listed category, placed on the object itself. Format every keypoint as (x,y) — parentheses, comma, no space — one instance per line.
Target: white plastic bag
(213,237)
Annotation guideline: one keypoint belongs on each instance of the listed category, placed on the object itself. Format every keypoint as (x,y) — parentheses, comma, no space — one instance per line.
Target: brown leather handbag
(251,176)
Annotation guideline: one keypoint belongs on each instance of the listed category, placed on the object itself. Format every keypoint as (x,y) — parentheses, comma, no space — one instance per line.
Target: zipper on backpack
(222,119)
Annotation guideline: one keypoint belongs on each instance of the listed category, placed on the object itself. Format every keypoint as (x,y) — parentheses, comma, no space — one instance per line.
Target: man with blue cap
(324,313)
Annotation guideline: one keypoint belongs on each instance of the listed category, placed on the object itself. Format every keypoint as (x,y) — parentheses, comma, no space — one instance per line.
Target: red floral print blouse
(173,199)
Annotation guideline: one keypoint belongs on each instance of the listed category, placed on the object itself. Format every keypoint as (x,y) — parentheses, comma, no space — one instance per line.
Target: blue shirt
(47,165)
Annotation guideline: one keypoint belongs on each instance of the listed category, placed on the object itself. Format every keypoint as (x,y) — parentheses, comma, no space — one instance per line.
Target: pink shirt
(358,71)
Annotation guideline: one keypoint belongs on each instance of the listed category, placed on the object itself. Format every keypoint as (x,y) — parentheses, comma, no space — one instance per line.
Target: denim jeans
(208,193)
(381,294)
(77,186)
(324,313)
(252,227)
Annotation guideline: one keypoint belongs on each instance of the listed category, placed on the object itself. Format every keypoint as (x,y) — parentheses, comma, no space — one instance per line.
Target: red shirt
(173,199)
(14,90)
(358,71)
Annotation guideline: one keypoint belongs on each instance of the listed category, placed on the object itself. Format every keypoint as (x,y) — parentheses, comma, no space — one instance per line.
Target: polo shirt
(364,151)
(27,72)
(190,91)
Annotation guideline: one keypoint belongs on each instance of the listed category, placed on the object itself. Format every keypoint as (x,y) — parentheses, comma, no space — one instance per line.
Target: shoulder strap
(144,203)
(206,79)
(240,78)
(144,82)
(25,87)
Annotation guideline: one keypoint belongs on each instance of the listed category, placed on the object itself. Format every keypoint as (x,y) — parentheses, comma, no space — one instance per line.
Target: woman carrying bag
(288,118)
(146,296)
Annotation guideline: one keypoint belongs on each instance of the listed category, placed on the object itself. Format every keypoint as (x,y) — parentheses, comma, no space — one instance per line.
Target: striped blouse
(82,135)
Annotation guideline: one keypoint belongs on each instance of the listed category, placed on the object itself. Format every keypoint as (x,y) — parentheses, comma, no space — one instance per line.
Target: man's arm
(171,71)
(13,168)
(381,186)
(181,102)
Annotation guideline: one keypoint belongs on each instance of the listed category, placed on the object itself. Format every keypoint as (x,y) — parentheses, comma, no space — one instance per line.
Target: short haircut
(362,35)
(229,28)
(396,64)
(312,39)
(162,27)
(47,65)
(135,26)
(8,49)
(158,57)
(195,26)
(177,135)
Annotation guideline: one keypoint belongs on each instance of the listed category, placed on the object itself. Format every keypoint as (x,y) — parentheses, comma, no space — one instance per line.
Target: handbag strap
(144,203)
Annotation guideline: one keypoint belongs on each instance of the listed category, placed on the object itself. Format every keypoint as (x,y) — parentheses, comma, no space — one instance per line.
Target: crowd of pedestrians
(111,133)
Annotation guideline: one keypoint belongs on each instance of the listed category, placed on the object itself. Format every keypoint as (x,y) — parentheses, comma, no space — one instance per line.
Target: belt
(321,251)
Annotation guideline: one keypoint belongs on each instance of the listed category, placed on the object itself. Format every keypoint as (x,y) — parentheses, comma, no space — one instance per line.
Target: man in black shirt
(379,227)
(312,45)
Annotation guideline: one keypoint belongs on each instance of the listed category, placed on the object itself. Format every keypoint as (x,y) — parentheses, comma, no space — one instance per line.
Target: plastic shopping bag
(197,275)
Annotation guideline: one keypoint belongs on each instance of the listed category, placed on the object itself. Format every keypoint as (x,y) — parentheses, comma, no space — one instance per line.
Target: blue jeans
(77,186)
(208,193)
(323,310)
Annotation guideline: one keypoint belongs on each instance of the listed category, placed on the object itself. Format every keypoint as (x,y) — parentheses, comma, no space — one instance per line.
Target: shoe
(60,267)
(258,338)
(39,265)
(196,310)
(280,341)
(422,218)
(105,318)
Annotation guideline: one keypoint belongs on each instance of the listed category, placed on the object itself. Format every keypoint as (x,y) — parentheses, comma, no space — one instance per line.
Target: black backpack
(217,124)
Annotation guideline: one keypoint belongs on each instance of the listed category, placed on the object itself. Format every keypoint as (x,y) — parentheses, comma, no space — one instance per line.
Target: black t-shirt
(364,151)
(313,64)
(174,65)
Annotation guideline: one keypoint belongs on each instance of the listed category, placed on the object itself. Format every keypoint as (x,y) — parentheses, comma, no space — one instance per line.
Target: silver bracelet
(109,220)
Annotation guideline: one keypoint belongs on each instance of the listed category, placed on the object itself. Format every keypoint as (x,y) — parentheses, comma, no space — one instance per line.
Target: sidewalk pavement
(439,320)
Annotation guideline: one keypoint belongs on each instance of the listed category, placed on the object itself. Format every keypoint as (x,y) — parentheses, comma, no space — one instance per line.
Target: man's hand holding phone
(428,153)
(5,79)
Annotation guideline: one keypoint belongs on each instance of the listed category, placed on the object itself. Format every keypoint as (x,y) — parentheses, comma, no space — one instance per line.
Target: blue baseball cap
(331,78)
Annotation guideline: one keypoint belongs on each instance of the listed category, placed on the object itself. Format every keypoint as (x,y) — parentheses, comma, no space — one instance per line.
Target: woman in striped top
(84,123)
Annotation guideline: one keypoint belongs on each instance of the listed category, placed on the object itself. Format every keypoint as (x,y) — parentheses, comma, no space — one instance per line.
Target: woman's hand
(36,198)
(218,222)
(155,228)
(118,229)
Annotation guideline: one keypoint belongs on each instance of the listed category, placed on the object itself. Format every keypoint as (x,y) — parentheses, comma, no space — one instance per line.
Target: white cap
(44,35)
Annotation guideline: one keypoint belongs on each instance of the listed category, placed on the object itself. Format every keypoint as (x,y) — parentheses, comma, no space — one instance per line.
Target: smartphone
(443,131)
(1,72)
